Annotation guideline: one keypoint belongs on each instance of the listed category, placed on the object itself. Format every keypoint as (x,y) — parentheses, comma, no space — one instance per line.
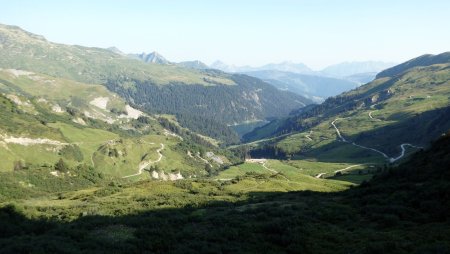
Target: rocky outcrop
(160,175)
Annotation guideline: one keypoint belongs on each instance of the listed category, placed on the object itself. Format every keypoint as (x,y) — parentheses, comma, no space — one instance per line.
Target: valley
(132,153)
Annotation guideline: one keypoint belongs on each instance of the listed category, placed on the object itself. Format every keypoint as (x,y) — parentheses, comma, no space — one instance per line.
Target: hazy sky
(244,32)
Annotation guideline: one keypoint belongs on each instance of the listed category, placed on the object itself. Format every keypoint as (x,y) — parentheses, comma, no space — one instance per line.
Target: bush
(61,166)
(72,152)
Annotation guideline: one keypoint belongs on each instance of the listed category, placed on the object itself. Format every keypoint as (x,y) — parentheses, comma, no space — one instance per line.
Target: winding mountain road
(390,159)
(402,146)
(271,170)
(263,164)
(143,165)
(349,167)
(320,175)
(337,131)
(339,170)
(371,117)
(308,136)
(203,159)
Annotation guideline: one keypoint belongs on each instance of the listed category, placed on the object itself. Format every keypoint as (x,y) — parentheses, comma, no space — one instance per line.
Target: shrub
(61,166)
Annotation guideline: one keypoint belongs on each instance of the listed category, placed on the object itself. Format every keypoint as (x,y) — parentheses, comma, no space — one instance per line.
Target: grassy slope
(26,51)
(403,210)
(34,118)
(417,97)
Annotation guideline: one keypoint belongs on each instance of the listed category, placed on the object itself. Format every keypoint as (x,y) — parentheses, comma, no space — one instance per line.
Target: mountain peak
(17,33)
(153,57)
(423,60)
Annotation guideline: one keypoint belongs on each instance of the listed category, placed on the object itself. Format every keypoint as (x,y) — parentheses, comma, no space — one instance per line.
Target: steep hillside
(26,51)
(238,98)
(44,119)
(361,78)
(194,65)
(251,100)
(153,57)
(378,122)
(424,60)
(402,210)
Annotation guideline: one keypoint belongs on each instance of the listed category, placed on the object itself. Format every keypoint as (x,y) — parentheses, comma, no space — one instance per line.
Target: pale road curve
(92,160)
(308,136)
(203,159)
(337,131)
(224,179)
(271,170)
(145,164)
(371,117)
(320,175)
(390,159)
(373,149)
(403,151)
(263,162)
(349,167)
(261,140)
(339,170)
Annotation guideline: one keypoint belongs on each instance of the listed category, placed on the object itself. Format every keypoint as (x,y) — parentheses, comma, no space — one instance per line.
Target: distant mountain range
(317,85)
(340,70)
(407,104)
(346,69)
(284,66)
(288,76)
(202,100)
(361,78)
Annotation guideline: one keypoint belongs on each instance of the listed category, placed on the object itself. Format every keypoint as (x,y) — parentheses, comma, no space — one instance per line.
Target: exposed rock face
(100,102)
(153,57)
(166,177)
(57,109)
(378,97)
(214,157)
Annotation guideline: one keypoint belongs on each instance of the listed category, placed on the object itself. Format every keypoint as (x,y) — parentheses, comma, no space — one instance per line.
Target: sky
(244,32)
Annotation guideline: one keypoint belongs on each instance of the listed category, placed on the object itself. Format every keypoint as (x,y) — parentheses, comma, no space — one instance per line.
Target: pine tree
(61,166)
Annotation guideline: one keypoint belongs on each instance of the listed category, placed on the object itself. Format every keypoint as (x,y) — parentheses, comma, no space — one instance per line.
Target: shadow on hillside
(403,210)
(354,221)
(265,223)
(386,139)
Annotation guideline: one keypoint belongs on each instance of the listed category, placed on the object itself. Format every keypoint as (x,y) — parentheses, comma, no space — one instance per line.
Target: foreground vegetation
(82,171)
(402,210)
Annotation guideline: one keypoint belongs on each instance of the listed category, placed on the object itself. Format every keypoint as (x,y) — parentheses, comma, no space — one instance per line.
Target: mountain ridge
(380,115)
(121,74)
(317,87)
(424,60)
(345,69)
(154,58)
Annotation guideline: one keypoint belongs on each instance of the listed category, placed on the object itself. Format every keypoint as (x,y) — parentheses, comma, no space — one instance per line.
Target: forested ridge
(208,109)
(420,83)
